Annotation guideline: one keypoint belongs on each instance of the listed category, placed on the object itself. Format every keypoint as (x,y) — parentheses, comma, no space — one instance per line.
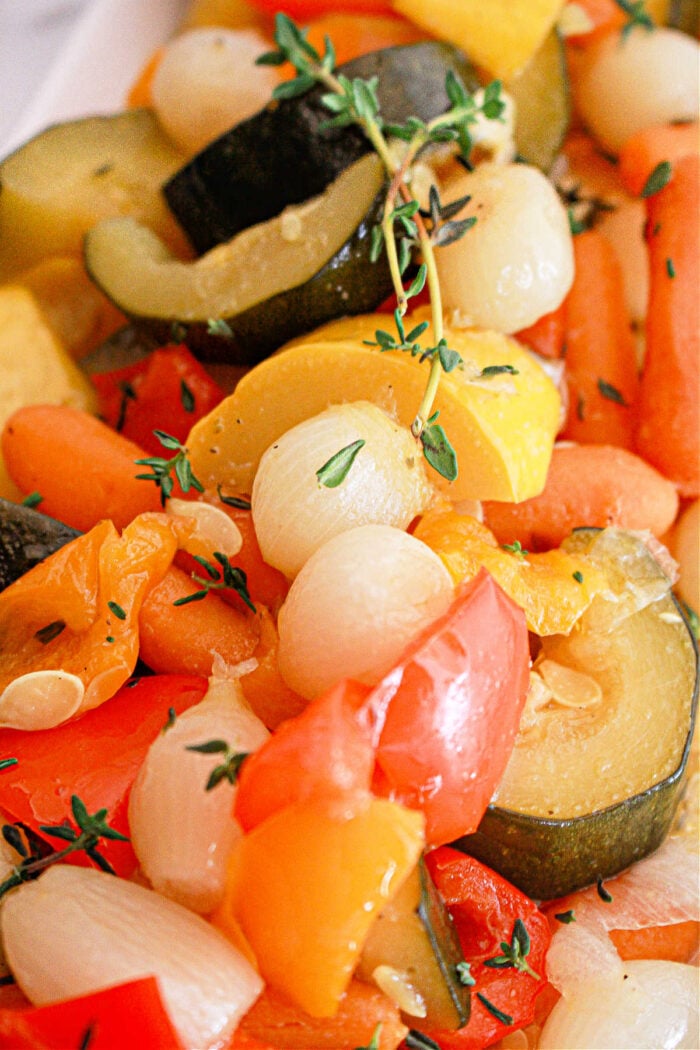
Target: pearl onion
(356,604)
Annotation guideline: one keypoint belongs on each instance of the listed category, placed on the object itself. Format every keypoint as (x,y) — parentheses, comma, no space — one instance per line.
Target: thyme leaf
(162,469)
(230,766)
(335,470)
(225,577)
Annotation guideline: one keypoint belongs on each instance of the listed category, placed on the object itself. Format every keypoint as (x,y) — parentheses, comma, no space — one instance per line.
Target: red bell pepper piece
(485,907)
(169,390)
(444,719)
(322,752)
(129,1015)
(95,757)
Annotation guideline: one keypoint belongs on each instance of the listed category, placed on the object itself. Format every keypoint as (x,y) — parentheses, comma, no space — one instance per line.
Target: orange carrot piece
(276,1022)
(264,688)
(182,639)
(140,92)
(356,34)
(668,432)
(546,335)
(645,149)
(677,942)
(595,485)
(83,469)
(603,15)
(601,363)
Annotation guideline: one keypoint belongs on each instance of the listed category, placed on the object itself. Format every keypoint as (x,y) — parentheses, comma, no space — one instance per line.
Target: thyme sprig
(226,577)
(230,765)
(637,15)
(37,854)
(514,954)
(355,102)
(162,469)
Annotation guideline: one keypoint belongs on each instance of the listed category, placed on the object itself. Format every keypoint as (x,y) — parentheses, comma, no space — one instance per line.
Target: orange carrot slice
(595,485)
(668,433)
(661,143)
(601,365)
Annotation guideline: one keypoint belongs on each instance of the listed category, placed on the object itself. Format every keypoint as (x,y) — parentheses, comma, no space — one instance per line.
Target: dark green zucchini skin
(282,156)
(550,858)
(26,538)
(349,283)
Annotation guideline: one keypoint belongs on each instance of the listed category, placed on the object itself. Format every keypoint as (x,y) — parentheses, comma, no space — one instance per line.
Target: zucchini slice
(26,538)
(269,283)
(542,103)
(597,769)
(414,946)
(283,156)
(63,181)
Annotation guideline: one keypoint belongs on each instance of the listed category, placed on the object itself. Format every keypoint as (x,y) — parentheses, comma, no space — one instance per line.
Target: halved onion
(356,604)
(653,1005)
(294,512)
(182,833)
(77,930)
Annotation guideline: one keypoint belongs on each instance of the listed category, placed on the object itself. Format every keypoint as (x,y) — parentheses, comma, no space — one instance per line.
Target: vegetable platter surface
(349,530)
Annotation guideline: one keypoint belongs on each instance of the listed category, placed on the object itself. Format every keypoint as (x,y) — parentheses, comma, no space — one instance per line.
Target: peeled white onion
(516,263)
(207,81)
(294,513)
(630,81)
(76,930)
(182,834)
(652,1006)
(356,604)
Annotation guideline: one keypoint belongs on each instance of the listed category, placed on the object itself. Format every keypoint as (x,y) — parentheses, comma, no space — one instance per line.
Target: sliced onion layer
(181,832)
(77,930)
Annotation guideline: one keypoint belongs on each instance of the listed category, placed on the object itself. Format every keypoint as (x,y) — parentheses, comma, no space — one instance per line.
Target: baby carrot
(601,365)
(183,639)
(661,143)
(547,335)
(83,470)
(668,433)
(595,485)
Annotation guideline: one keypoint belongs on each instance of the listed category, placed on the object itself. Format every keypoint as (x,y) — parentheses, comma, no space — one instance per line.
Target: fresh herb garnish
(670,268)
(5,763)
(464,974)
(230,766)
(32,500)
(611,393)
(636,15)
(404,229)
(87,1037)
(565,917)
(233,501)
(162,469)
(117,610)
(515,548)
(171,720)
(602,892)
(658,178)
(224,578)
(498,1014)
(51,631)
(187,398)
(692,618)
(37,854)
(514,954)
(578,576)
(498,370)
(576,226)
(335,470)
(374,1041)
(219,327)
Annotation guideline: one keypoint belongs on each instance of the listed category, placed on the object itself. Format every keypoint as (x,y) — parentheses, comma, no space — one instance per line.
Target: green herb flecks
(670,268)
(219,327)
(170,721)
(37,854)
(233,501)
(498,370)
(464,974)
(514,954)
(225,577)
(230,765)
(6,763)
(657,179)
(374,1041)
(187,398)
(602,892)
(32,500)
(515,548)
(335,470)
(498,1014)
(50,631)
(404,230)
(115,608)
(162,469)
(565,917)
(611,393)
(415,1040)
(578,576)
(637,15)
